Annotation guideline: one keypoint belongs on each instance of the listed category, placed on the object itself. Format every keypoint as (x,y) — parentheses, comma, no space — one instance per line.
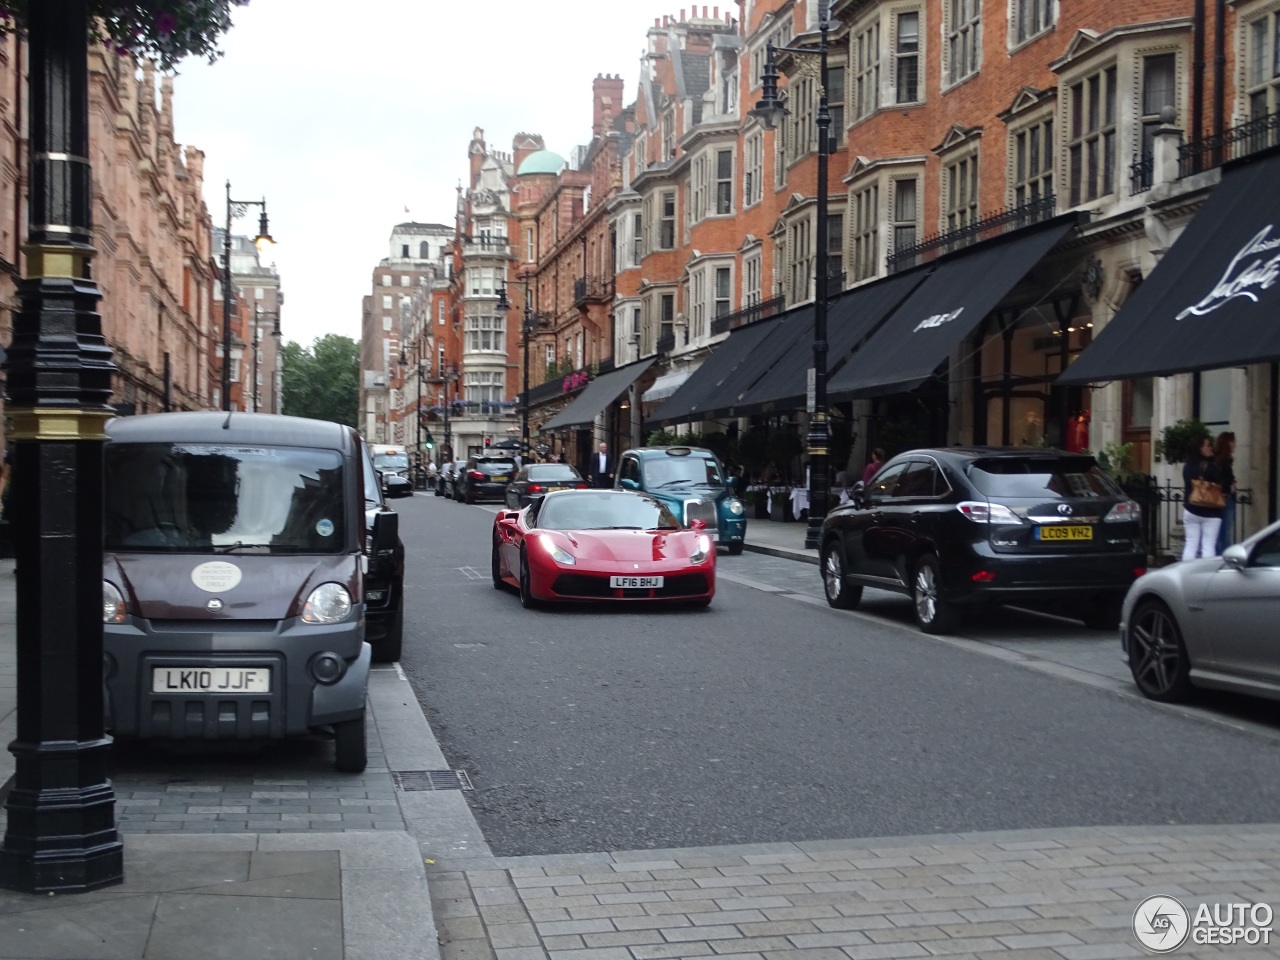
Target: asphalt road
(767,719)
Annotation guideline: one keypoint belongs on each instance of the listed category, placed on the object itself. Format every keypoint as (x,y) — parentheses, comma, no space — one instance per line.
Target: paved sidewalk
(779,539)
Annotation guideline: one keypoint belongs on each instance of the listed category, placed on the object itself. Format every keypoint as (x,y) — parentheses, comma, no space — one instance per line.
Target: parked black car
(536,479)
(484,478)
(447,485)
(963,526)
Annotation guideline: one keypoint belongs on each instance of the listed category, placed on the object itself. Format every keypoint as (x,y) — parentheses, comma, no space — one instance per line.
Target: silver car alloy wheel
(833,574)
(1155,651)
(926,594)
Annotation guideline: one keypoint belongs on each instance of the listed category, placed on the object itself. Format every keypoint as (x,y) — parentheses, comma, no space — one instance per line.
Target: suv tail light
(476,475)
(581,486)
(1122,511)
(980,511)
(535,488)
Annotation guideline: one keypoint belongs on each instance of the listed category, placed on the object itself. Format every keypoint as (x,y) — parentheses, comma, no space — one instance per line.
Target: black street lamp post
(254,382)
(447,376)
(60,835)
(236,208)
(769,110)
(530,324)
(417,420)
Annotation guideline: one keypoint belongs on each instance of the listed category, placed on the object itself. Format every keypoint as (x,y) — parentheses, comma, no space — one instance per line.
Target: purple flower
(166,23)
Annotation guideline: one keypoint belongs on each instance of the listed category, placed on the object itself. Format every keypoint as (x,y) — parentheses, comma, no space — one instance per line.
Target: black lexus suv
(951,527)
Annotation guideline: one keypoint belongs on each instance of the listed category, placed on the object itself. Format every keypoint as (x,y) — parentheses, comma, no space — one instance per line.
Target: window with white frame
(1030,18)
(669,135)
(485,386)
(440,313)
(800,252)
(751,279)
(1091,137)
(905,222)
(440,360)
(835,102)
(386,279)
(753,168)
(779,36)
(386,301)
(1032,159)
(667,314)
(485,334)
(696,207)
(1159,90)
(835,252)
(865,209)
(551,355)
(696,298)
(961,192)
(962,30)
(729,91)
(637,240)
(667,220)
(802,137)
(866,70)
(780,155)
(405,280)
(724,182)
(906,57)
(484,281)
(635,321)
(530,250)
(386,324)
(722,292)
(1262,69)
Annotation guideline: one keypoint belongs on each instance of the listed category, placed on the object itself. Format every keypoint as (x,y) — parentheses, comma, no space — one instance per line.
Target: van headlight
(112,603)
(328,603)
(703,550)
(735,507)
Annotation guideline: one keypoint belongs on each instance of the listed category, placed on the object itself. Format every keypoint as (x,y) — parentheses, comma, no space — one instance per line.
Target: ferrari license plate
(635,583)
(211,680)
(1075,531)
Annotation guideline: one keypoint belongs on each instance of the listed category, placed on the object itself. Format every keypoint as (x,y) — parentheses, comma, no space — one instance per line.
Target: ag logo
(1161,924)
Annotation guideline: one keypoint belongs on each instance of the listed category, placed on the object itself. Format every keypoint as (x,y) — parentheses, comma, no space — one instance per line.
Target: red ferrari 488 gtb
(591,545)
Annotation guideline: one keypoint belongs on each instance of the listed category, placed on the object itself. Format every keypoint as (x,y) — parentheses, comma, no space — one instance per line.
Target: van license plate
(635,583)
(211,680)
(1065,532)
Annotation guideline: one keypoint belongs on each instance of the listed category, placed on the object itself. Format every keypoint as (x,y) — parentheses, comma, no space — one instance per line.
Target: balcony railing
(1141,173)
(486,246)
(740,318)
(592,290)
(1235,142)
(995,225)
(666,343)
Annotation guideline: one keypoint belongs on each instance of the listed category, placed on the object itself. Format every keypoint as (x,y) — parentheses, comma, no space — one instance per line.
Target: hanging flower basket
(575,380)
(160,30)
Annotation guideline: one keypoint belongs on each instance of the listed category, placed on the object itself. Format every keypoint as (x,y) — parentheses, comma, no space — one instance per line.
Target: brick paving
(1023,895)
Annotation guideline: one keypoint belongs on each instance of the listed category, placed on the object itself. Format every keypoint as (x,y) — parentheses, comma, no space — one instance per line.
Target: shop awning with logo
(667,384)
(1212,301)
(850,318)
(599,393)
(943,310)
(689,401)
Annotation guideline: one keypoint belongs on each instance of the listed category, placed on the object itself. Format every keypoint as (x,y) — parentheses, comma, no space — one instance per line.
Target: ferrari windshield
(605,510)
(676,471)
(207,498)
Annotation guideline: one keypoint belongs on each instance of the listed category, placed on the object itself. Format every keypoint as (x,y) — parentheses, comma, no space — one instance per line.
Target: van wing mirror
(385,534)
(628,484)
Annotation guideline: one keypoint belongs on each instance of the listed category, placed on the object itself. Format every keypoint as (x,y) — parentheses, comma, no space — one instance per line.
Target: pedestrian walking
(1203,500)
(876,462)
(1224,454)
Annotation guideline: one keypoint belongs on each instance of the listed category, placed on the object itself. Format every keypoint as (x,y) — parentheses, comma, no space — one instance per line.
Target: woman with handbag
(1224,452)
(1203,501)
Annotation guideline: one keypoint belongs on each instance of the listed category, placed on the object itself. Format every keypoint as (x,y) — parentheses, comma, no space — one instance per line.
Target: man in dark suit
(601,467)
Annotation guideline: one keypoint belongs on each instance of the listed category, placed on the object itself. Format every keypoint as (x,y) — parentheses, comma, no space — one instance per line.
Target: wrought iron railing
(666,343)
(488,246)
(591,289)
(740,318)
(1141,173)
(1233,143)
(995,225)
(1162,516)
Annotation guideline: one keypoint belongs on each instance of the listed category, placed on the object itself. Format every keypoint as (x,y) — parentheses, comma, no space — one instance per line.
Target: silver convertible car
(1207,623)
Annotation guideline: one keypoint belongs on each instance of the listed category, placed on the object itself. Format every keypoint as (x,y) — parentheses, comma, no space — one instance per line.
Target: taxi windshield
(677,471)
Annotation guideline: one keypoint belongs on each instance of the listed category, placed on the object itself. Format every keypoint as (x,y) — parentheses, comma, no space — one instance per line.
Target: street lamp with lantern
(263,241)
(769,111)
(531,323)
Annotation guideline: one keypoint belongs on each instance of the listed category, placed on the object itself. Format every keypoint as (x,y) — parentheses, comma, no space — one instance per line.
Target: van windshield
(208,498)
(391,461)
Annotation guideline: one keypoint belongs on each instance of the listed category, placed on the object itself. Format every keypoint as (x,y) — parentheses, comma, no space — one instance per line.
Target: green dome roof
(543,161)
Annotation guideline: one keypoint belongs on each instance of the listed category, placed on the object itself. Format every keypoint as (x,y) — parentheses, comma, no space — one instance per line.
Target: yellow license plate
(499,479)
(1065,532)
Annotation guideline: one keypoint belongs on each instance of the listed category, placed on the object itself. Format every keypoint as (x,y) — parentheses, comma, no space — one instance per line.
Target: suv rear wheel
(834,570)
(933,614)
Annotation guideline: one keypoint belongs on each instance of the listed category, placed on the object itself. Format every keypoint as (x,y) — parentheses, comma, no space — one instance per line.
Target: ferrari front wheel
(527,599)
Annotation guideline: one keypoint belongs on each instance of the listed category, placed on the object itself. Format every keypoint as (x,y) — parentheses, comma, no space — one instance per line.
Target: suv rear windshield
(491,467)
(207,498)
(1042,478)
(553,471)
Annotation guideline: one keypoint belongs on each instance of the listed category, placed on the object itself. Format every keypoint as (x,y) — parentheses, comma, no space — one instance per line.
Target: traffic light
(429,440)
(487,441)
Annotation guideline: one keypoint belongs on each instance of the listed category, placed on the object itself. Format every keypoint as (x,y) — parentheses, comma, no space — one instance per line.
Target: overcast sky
(343,114)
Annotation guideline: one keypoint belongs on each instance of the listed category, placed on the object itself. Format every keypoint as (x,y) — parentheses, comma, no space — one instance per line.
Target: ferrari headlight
(328,603)
(735,507)
(704,550)
(112,603)
(559,554)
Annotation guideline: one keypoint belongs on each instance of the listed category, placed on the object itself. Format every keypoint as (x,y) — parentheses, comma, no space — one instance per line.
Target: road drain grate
(416,781)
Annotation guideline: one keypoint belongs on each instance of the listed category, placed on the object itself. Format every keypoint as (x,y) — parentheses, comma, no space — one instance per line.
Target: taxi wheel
(735,549)
(349,744)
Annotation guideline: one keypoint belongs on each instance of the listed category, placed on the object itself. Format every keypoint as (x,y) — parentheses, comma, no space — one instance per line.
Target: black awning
(599,393)
(1213,299)
(943,310)
(726,356)
(850,318)
(796,324)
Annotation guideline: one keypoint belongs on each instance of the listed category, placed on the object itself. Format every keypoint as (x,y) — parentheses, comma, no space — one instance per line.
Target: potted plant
(1179,437)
